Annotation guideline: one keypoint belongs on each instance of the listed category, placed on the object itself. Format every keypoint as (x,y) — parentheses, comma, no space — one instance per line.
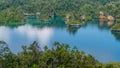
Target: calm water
(94,38)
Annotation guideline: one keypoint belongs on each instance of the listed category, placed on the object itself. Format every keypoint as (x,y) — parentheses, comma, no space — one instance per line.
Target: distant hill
(76,8)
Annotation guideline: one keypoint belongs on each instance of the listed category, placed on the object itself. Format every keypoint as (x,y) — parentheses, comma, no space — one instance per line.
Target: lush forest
(59,56)
(13,10)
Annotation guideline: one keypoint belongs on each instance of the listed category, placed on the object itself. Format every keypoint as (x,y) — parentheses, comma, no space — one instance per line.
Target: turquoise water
(93,37)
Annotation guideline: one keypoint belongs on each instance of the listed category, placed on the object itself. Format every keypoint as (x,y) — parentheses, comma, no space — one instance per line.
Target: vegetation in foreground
(59,56)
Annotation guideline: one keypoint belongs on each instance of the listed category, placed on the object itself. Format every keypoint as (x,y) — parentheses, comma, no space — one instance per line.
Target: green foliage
(10,15)
(74,22)
(88,18)
(89,8)
(59,56)
(116,27)
(2,42)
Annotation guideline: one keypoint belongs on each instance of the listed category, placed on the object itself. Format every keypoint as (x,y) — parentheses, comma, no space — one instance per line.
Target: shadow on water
(103,24)
(56,22)
(72,30)
(13,24)
(35,21)
(116,35)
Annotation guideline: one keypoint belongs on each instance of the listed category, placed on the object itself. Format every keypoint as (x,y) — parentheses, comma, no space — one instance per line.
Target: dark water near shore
(93,37)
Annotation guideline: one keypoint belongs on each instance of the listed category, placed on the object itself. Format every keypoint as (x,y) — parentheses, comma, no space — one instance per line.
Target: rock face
(110,18)
(67,18)
(83,17)
(102,15)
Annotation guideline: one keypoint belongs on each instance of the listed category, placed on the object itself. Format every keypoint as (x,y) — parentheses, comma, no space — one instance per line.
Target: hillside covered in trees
(59,56)
(75,8)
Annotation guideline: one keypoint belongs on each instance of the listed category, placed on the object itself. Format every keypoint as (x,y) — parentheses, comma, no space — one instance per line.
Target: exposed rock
(83,17)
(110,18)
(67,18)
(102,17)
(102,13)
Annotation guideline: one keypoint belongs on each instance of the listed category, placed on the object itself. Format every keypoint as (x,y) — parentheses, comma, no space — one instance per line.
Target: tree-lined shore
(75,11)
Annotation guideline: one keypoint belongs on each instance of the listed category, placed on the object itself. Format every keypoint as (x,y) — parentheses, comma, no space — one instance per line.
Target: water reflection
(15,37)
(116,34)
(4,33)
(103,24)
(43,34)
(56,22)
(89,38)
(110,23)
(72,30)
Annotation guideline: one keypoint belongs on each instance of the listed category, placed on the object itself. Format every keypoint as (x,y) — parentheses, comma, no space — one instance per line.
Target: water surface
(93,37)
